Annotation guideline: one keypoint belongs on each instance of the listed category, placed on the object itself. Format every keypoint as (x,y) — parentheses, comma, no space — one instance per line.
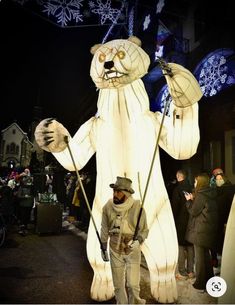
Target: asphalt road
(53,269)
(49,269)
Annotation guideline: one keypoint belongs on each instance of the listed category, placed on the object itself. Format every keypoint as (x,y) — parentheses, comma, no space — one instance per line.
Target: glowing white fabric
(123,136)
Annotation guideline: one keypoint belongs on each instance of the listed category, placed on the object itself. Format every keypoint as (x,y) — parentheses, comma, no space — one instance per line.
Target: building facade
(15,149)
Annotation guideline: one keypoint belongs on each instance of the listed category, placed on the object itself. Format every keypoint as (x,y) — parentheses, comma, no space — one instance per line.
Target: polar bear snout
(109,64)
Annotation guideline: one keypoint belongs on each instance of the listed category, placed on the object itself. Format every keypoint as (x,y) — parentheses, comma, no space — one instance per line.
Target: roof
(14,125)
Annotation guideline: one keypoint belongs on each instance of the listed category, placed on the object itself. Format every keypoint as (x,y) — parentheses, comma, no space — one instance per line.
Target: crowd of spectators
(201,210)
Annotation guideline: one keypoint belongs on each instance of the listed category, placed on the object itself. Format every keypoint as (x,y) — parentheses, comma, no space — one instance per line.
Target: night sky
(46,65)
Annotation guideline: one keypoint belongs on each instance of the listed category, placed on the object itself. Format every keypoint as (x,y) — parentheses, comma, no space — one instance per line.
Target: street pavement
(53,269)
(186,293)
(48,269)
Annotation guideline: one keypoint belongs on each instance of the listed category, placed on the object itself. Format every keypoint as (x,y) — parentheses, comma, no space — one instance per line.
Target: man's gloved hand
(104,255)
(133,244)
(104,252)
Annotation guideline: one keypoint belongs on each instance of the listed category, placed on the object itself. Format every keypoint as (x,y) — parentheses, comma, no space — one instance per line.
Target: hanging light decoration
(74,13)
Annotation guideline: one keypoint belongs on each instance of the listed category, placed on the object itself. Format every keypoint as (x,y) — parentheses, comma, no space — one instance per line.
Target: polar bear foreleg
(102,284)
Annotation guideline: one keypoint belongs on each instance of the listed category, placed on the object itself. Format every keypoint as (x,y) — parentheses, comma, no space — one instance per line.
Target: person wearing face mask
(119,219)
(215,172)
(202,227)
(225,194)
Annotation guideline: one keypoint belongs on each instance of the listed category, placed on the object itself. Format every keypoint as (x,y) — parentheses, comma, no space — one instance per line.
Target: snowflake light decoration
(159,52)
(64,10)
(163,98)
(213,75)
(113,24)
(131,22)
(79,12)
(166,99)
(146,23)
(215,72)
(104,10)
(160,6)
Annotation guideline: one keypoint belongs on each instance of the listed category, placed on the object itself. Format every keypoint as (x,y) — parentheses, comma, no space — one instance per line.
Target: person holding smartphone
(181,216)
(202,227)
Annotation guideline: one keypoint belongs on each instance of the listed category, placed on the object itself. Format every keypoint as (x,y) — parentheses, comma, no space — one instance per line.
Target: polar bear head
(118,62)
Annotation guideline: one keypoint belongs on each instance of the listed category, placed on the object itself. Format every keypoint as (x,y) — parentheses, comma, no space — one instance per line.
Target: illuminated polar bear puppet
(123,135)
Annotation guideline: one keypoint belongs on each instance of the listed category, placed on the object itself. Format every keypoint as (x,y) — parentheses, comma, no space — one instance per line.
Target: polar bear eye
(102,57)
(121,54)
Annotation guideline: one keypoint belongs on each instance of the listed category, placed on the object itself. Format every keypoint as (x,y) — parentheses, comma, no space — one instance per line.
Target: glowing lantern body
(123,135)
(228,262)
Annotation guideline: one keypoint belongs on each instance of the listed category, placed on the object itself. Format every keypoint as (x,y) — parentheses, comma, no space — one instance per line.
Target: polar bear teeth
(112,74)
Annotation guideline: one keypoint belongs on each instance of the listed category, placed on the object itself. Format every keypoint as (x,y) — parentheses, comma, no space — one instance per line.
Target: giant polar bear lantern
(123,135)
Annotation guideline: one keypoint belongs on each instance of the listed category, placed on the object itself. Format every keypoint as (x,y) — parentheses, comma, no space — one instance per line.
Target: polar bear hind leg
(160,250)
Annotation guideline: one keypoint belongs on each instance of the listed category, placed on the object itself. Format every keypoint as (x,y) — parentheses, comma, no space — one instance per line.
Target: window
(12,149)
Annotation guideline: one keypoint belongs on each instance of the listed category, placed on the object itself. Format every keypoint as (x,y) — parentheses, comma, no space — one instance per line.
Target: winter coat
(25,192)
(225,194)
(110,218)
(203,220)
(6,200)
(180,211)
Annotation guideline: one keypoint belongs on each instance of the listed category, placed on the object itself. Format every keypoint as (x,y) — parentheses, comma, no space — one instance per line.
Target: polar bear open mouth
(113,74)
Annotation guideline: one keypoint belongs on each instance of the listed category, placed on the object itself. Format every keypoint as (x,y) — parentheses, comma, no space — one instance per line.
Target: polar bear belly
(126,148)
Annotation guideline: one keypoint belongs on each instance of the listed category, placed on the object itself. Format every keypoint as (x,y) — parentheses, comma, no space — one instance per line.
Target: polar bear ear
(135,40)
(94,48)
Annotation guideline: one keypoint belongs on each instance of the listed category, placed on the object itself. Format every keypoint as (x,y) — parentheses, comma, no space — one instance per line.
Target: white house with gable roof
(15,149)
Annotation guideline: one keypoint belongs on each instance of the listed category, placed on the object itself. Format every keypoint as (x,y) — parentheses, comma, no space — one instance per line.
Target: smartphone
(185,193)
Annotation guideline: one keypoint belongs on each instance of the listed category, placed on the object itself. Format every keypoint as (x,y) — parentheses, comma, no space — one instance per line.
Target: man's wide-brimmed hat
(123,184)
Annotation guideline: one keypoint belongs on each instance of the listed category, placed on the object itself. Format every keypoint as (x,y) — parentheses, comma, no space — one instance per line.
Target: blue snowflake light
(160,6)
(69,13)
(113,24)
(131,22)
(147,21)
(162,99)
(216,71)
(104,10)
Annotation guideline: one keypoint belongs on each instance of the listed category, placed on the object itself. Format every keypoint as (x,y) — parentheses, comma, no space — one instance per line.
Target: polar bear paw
(164,292)
(102,288)
(51,135)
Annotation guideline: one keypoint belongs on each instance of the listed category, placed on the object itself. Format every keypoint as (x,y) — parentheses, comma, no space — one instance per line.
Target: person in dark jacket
(181,216)
(6,203)
(202,227)
(25,196)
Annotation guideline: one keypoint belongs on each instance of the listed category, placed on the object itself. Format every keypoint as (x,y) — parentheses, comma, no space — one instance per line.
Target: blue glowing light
(216,71)
(163,97)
